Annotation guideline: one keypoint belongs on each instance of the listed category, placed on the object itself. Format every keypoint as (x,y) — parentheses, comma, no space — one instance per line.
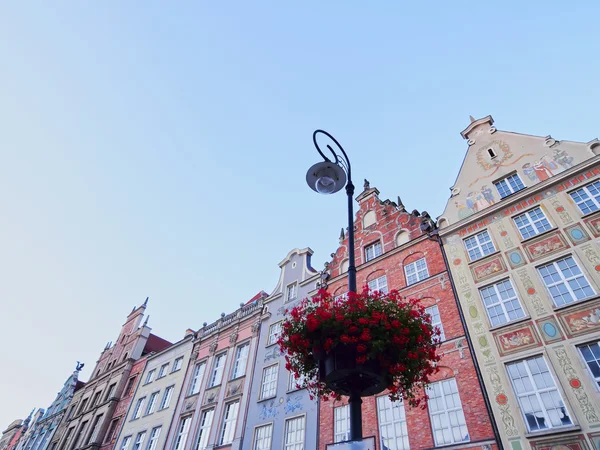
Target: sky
(160,150)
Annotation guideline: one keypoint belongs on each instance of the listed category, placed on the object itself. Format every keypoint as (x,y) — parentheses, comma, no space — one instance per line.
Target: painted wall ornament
(516,339)
(515,258)
(293,404)
(506,240)
(546,245)
(532,293)
(565,217)
(549,330)
(488,269)
(581,320)
(593,222)
(508,420)
(577,234)
(269,410)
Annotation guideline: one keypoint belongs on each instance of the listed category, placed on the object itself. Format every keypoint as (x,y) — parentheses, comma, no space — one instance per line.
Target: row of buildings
(510,273)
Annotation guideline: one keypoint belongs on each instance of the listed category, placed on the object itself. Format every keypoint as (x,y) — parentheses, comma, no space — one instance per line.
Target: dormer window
(292,292)
(373,251)
(509,185)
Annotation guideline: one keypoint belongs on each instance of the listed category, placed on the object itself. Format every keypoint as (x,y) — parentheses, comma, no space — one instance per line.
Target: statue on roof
(367,184)
(79,366)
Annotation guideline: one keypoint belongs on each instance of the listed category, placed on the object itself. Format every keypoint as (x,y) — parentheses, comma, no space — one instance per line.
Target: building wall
(545,329)
(222,337)
(286,402)
(14,429)
(403,243)
(158,417)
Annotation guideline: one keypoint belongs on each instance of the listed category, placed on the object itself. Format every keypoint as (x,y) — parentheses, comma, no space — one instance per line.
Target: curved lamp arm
(344,163)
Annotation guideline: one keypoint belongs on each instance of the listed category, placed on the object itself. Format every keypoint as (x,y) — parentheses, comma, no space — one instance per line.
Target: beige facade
(520,232)
(151,410)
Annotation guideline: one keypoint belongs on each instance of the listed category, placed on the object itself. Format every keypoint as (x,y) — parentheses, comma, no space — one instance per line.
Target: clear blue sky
(160,150)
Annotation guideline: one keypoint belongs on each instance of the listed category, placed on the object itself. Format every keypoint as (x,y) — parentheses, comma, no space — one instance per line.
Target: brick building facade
(393,253)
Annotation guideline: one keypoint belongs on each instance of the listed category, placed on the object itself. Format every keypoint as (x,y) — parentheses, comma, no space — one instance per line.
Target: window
(532,222)
(416,271)
(83,405)
(111,391)
(125,443)
(79,439)
(153,441)
(139,440)
(182,433)
(274,332)
(509,185)
(197,378)
(95,429)
(268,385)
(294,434)
(591,355)
(112,431)
(166,398)
(587,198)
(206,421)
(95,399)
(262,437)
(129,388)
(501,303)
(217,372)
(137,411)
(293,383)
(177,364)
(241,359)
(491,153)
(341,423)
(163,370)
(445,411)
(229,422)
(479,245)
(392,424)
(436,320)
(373,251)
(150,376)
(152,402)
(565,281)
(541,403)
(69,432)
(379,284)
(292,292)
(341,297)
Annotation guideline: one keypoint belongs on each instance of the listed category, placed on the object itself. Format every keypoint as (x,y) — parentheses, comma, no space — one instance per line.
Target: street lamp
(328,177)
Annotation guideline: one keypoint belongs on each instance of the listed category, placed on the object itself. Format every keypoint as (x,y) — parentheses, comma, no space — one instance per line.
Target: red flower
(360,348)
(361,359)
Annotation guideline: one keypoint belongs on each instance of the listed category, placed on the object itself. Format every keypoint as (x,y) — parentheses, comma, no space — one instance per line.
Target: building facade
(393,253)
(279,412)
(212,407)
(40,433)
(90,416)
(11,435)
(521,233)
(150,413)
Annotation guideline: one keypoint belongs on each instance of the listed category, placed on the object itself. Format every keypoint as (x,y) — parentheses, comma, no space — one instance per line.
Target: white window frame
(341,423)
(268,382)
(177,364)
(391,418)
(163,370)
(206,421)
(166,399)
(139,440)
(125,443)
(565,281)
(444,413)
(500,291)
(292,382)
(183,431)
(154,435)
(376,250)
(508,186)
(291,292)
(152,401)
(290,441)
(230,416)
(95,429)
(263,437)
(532,222)
(137,411)
(197,377)
(150,376)
(274,332)
(591,201)
(378,284)
(436,320)
(419,274)
(595,360)
(477,246)
(240,362)
(536,391)
(216,374)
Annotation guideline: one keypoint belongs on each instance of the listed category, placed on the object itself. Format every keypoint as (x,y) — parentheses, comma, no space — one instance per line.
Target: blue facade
(274,398)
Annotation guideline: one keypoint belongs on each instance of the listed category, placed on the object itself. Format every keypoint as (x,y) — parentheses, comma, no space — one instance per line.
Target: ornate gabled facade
(29,429)
(11,435)
(212,407)
(40,433)
(278,411)
(521,233)
(90,418)
(393,253)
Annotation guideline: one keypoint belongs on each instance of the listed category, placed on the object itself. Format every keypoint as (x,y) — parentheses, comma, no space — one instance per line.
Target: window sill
(489,255)
(212,387)
(585,216)
(294,390)
(266,398)
(270,345)
(525,241)
(512,322)
(420,281)
(576,302)
(237,378)
(551,431)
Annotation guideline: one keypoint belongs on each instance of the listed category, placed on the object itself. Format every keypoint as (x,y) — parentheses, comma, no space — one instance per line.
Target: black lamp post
(328,177)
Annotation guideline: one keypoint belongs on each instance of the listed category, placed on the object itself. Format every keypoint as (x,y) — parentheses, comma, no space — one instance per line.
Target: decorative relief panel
(270,409)
(582,398)
(577,234)
(487,269)
(211,395)
(234,388)
(272,354)
(293,404)
(503,406)
(595,438)
(577,442)
(549,330)
(515,258)
(589,251)
(517,338)
(564,216)
(506,240)
(532,294)
(581,320)
(545,245)
(593,223)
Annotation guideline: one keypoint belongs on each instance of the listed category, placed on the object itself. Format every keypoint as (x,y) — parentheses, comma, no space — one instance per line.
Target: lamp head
(326,177)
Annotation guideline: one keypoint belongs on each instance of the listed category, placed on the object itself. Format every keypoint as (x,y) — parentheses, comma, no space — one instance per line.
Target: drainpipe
(434,236)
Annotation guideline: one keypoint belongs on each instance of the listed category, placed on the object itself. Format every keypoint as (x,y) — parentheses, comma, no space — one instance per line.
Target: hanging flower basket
(361,344)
